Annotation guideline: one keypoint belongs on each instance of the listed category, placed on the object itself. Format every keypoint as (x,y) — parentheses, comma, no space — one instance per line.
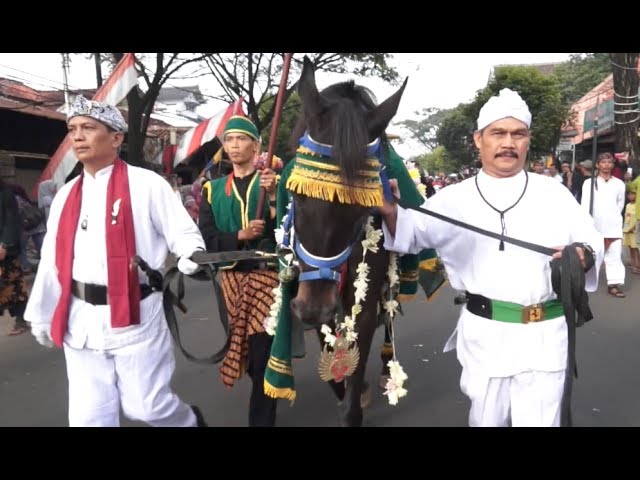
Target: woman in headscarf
(46,191)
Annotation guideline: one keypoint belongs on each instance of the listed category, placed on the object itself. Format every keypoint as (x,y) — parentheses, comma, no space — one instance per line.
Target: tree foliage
(438,160)
(542,94)
(580,74)
(456,136)
(140,103)
(288,119)
(257,76)
(425,129)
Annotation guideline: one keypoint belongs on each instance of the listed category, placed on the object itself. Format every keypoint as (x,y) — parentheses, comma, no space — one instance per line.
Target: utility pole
(594,152)
(65,73)
(96,56)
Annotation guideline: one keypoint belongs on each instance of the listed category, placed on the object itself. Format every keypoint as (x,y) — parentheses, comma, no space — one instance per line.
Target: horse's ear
(307,89)
(379,119)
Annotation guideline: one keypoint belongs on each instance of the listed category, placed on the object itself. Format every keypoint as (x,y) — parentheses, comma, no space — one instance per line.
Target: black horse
(345,118)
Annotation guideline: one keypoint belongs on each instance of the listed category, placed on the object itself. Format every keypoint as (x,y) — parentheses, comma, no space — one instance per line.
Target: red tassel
(227,188)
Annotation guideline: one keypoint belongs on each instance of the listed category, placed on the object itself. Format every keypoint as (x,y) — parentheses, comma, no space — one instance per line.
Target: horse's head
(341,128)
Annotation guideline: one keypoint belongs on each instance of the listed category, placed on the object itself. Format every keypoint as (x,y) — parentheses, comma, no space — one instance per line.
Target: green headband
(238,124)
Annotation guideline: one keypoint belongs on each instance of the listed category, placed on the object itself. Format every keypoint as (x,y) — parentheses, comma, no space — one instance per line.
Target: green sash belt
(516,313)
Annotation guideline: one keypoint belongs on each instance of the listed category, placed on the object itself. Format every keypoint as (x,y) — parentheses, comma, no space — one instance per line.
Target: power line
(38,76)
(622,66)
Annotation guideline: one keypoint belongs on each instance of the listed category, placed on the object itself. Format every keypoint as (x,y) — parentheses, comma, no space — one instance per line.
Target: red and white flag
(123,78)
(192,139)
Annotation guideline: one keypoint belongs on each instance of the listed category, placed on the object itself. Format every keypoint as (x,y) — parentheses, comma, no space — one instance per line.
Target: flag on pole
(192,139)
(123,78)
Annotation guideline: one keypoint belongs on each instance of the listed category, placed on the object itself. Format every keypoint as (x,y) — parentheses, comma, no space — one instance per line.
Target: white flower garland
(394,389)
(271,321)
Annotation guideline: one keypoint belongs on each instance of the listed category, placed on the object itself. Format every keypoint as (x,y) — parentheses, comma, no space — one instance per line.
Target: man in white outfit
(511,337)
(609,194)
(89,299)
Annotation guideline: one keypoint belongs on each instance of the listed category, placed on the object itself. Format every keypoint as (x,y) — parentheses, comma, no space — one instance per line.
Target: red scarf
(123,287)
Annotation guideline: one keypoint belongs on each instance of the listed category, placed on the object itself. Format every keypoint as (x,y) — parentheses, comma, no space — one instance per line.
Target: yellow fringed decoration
(327,186)
(273,392)
(430,264)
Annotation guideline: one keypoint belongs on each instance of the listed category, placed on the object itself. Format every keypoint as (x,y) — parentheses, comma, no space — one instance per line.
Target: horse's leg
(356,385)
(386,352)
(338,388)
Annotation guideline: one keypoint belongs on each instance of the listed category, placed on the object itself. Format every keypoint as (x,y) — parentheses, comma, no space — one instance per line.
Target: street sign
(565,145)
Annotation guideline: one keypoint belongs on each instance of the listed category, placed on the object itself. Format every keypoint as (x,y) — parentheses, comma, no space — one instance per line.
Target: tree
(456,135)
(256,76)
(290,112)
(542,94)
(140,104)
(626,116)
(436,161)
(580,74)
(426,129)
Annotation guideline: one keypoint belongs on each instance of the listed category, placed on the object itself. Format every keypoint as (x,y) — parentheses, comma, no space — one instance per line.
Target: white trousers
(136,377)
(528,399)
(613,264)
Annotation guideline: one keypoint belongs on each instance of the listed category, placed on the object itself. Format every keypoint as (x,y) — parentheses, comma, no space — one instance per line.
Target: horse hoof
(382,383)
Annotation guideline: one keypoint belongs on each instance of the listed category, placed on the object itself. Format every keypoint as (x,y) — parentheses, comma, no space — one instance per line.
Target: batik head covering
(103,112)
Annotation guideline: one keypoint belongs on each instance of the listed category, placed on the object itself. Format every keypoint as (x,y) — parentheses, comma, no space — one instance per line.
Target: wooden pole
(274,127)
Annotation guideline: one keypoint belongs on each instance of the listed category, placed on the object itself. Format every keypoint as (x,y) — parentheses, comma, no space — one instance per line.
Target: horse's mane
(342,123)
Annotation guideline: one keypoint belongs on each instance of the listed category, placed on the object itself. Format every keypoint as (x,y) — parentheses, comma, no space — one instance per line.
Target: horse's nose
(313,313)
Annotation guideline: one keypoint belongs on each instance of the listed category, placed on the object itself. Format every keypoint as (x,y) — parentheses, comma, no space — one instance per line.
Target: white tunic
(547,215)
(161,224)
(608,202)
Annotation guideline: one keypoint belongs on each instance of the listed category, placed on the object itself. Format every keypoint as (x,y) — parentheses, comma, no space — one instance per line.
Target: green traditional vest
(233,213)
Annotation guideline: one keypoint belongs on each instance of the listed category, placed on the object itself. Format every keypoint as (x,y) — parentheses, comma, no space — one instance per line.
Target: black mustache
(507,154)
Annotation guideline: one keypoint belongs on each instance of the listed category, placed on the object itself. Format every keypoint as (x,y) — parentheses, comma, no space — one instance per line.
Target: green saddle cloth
(424,268)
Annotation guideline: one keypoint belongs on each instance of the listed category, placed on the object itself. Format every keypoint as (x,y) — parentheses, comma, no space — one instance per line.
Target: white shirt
(547,215)
(161,224)
(608,202)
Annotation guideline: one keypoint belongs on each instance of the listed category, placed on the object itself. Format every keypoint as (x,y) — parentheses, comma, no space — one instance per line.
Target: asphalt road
(33,387)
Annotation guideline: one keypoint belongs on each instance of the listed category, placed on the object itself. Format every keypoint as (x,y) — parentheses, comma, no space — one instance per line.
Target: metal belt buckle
(82,294)
(532,313)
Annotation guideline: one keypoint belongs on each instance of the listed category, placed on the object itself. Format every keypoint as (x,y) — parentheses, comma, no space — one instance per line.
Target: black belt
(97,294)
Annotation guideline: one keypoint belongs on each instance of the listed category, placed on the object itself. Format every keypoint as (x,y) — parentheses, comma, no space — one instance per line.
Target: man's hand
(268,180)
(580,251)
(390,207)
(42,334)
(187,266)
(254,231)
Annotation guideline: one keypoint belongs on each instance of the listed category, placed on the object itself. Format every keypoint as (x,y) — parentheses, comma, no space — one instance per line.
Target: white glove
(42,332)
(187,267)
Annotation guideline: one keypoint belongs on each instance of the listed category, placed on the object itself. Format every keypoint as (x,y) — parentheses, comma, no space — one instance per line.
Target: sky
(441,80)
